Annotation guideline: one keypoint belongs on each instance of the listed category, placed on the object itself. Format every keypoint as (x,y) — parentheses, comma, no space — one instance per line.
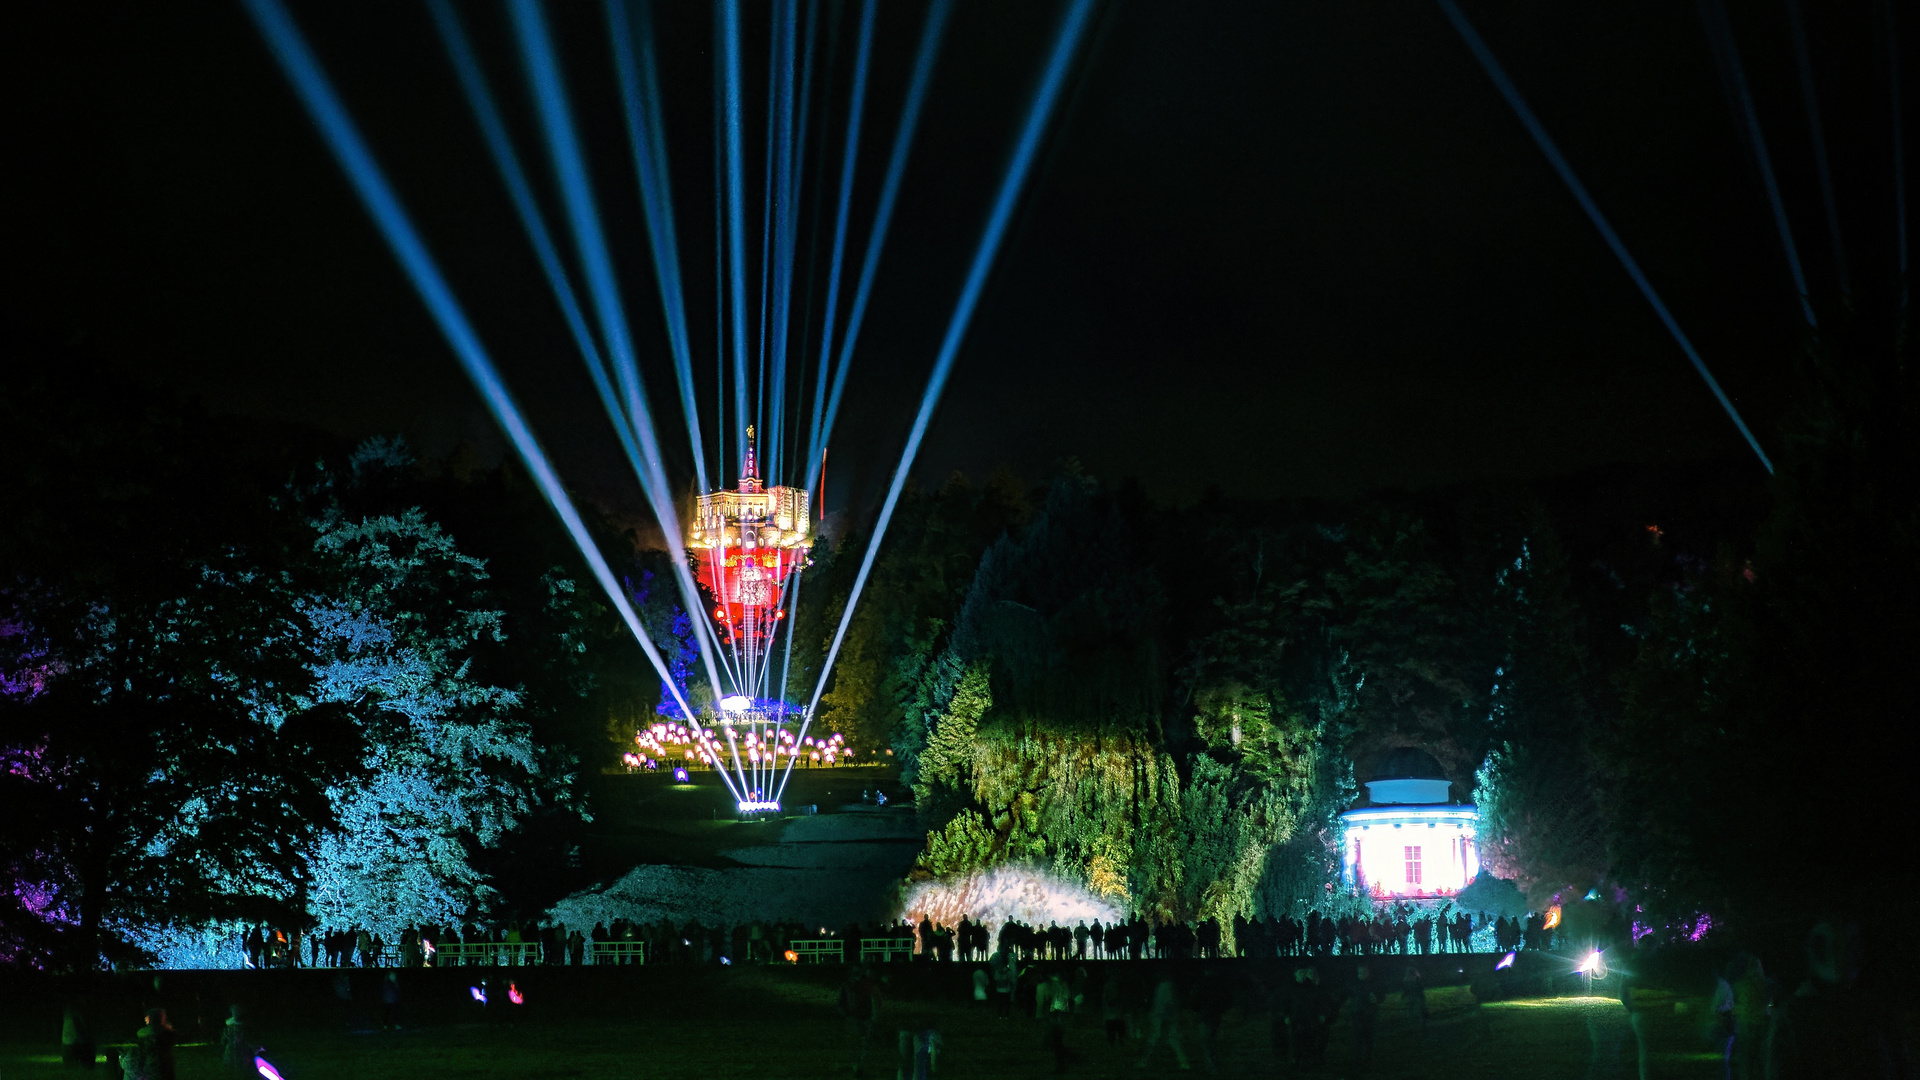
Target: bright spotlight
(265,1068)
(736,703)
(1594,965)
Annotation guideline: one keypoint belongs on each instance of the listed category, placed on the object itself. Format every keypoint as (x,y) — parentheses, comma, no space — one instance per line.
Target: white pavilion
(1409,840)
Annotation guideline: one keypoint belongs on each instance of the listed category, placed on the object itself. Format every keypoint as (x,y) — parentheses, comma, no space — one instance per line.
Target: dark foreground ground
(781,1023)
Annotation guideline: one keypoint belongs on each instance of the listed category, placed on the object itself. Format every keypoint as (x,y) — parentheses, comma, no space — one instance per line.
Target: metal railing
(819,950)
(487,954)
(616,952)
(885,949)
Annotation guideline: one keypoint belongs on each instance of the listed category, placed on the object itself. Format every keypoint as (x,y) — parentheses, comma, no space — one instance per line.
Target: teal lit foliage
(1495,896)
(1544,821)
(160,768)
(1328,644)
(232,698)
(449,764)
(905,616)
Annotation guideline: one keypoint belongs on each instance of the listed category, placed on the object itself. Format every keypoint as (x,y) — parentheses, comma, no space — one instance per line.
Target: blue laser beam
(1899,159)
(506,160)
(570,173)
(1059,62)
(639,93)
(1532,123)
(923,65)
(780,170)
(486,112)
(719,259)
(369,182)
(855,111)
(1740,98)
(796,169)
(1803,60)
(766,224)
(729,14)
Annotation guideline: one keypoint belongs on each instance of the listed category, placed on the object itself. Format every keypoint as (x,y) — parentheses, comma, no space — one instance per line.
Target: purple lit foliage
(27,663)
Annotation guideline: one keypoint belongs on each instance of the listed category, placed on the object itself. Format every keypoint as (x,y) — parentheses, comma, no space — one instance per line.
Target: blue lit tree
(155,766)
(450,764)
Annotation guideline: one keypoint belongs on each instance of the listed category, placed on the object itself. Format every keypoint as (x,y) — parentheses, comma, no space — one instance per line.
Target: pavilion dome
(1406,775)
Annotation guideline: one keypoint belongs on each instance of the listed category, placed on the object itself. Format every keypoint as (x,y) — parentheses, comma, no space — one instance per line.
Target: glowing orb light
(479,995)
(1505,962)
(792,957)
(680,775)
(514,995)
(1553,917)
(265,1068)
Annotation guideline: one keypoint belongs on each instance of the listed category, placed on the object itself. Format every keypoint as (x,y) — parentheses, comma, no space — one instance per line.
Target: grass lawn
(780,1023)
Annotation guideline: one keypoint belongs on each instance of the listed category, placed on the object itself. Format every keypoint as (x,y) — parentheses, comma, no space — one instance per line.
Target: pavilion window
(1413,865)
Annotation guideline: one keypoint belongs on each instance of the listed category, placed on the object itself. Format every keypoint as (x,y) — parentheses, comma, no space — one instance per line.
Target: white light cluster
(664,742)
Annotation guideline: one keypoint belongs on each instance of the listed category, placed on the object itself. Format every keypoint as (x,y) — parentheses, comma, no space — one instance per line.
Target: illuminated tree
(450,763)
(155,766)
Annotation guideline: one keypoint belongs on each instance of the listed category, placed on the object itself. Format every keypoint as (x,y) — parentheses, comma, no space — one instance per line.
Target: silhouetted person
(860,1004)
(1413,994)
(1309,1010)
(1829,1027)
(1006,980)
(151,1057)
(1364,1003)
(1113,1007)
(1747,987)
(76,1038)
(919,1054)
(1636,1018)
(1057,1000)
(237,1048)
(1211,1000)
(1163,1019)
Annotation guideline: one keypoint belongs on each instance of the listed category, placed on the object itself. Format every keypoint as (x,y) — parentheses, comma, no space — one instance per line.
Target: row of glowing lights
(664,741)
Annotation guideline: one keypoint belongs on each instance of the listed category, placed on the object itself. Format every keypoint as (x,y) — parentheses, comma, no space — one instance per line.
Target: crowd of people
(1403,932)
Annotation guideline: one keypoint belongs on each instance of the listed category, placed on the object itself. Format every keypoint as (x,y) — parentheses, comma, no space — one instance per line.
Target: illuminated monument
(1409,840)
(750,542)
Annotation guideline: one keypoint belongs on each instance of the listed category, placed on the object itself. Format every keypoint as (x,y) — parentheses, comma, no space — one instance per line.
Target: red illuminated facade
(749,543)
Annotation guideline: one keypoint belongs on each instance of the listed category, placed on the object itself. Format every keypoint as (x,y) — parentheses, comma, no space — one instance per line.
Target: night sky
(1285,248)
